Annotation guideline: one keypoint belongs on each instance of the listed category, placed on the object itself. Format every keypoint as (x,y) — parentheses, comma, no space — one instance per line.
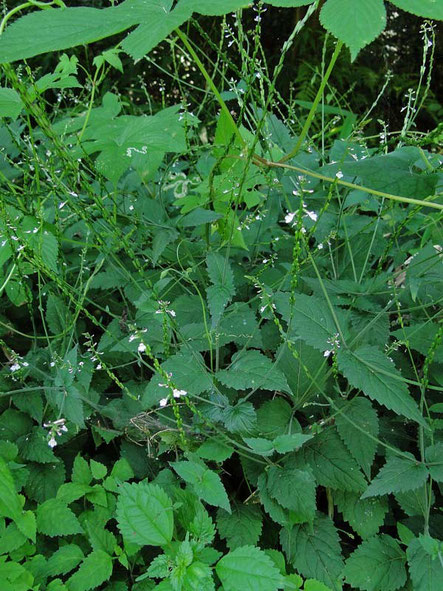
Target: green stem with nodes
(42,5)
(184,38)
(312,112)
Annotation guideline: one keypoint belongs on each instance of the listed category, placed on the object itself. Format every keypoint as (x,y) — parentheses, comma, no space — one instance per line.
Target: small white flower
(52,442)
(289,217)
(327,353)
(339,174)
(178,393)
(141,348)
(312,215)
(15,367)
(320,246)
(163,402)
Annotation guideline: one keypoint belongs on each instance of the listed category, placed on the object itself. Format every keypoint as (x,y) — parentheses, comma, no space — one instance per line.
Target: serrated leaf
(365,516)
(426,571)
(240,418)
(399,474)
(11,104)
(332,464)
(205,482)
(144,514)
(312,319)
(356,24)
(55,518)
(434,460)
(274,417)
(215,449)
(360,413)
(315,551)
(425,8)
(56,314)
(295,490)
(373,373)
(275,511)
(10,504)
(44,480)
(34,447)
(223,289)
(414,502)
(290,442)
(98,470)
(248,569)
(378,564)
(242,527)
(94,570)
(64,560)
(252,369)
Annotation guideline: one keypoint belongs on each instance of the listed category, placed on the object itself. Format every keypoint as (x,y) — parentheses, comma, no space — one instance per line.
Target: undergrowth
(220,319)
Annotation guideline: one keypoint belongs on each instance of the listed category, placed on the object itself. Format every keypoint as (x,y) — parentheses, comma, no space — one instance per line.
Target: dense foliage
(220,325)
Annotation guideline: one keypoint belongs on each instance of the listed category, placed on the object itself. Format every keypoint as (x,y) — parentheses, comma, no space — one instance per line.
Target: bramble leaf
(248,569)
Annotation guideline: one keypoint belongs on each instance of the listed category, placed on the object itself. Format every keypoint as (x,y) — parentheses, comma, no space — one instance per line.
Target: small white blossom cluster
(56,428)
(138,335)
(335,344)
(18,364)
(176,394)
(163,308)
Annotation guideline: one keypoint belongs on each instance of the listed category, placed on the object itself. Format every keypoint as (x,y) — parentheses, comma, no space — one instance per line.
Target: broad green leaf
(220,293)
(378,564)
(420,337)
(64,560)
(260,445)
(354,23)
(34,447)
(215,449)
(206,483)
(248,569)
(360,413)
(365,516)
(414,502)
(56,314)
(290,442)
(252,369)
(81,471)
(55,518)
(394,172)
(295,490)
(240,418)
(426,570)
(14,424)
(425,8)
(315,551)
(242,527)
(144,514)
(399,474)
(42,31)
(274,417)
(375,374)
(98,470)
(10,103)
(312,319)
(300,381)
(94,570)
(434,459)
(10,503)
(214,7)
(332,464)
(44,480)
(275,511)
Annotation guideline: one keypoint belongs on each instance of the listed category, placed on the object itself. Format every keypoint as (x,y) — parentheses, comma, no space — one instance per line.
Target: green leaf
(360,413)
(240,528)
(223,289)
(10,503)
(206,483)
(274,417)
(10,103)
(295,490)
(252,369)
(44,480)
(378,564)
(64,560)
(98,470)
(426,571)
(14,424)
(399,474)
(312,319)
(373,373)
(302,382)
(55,518)
(43,31)
(290,442)
(248,568)
(315,551)
(34,447)
(81,471)
(365,516)
(434,459)
(332,464)
(215,449)
(240,418)
(356,24)
(425,8)
(144,514)
(94,570)
(56,314)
